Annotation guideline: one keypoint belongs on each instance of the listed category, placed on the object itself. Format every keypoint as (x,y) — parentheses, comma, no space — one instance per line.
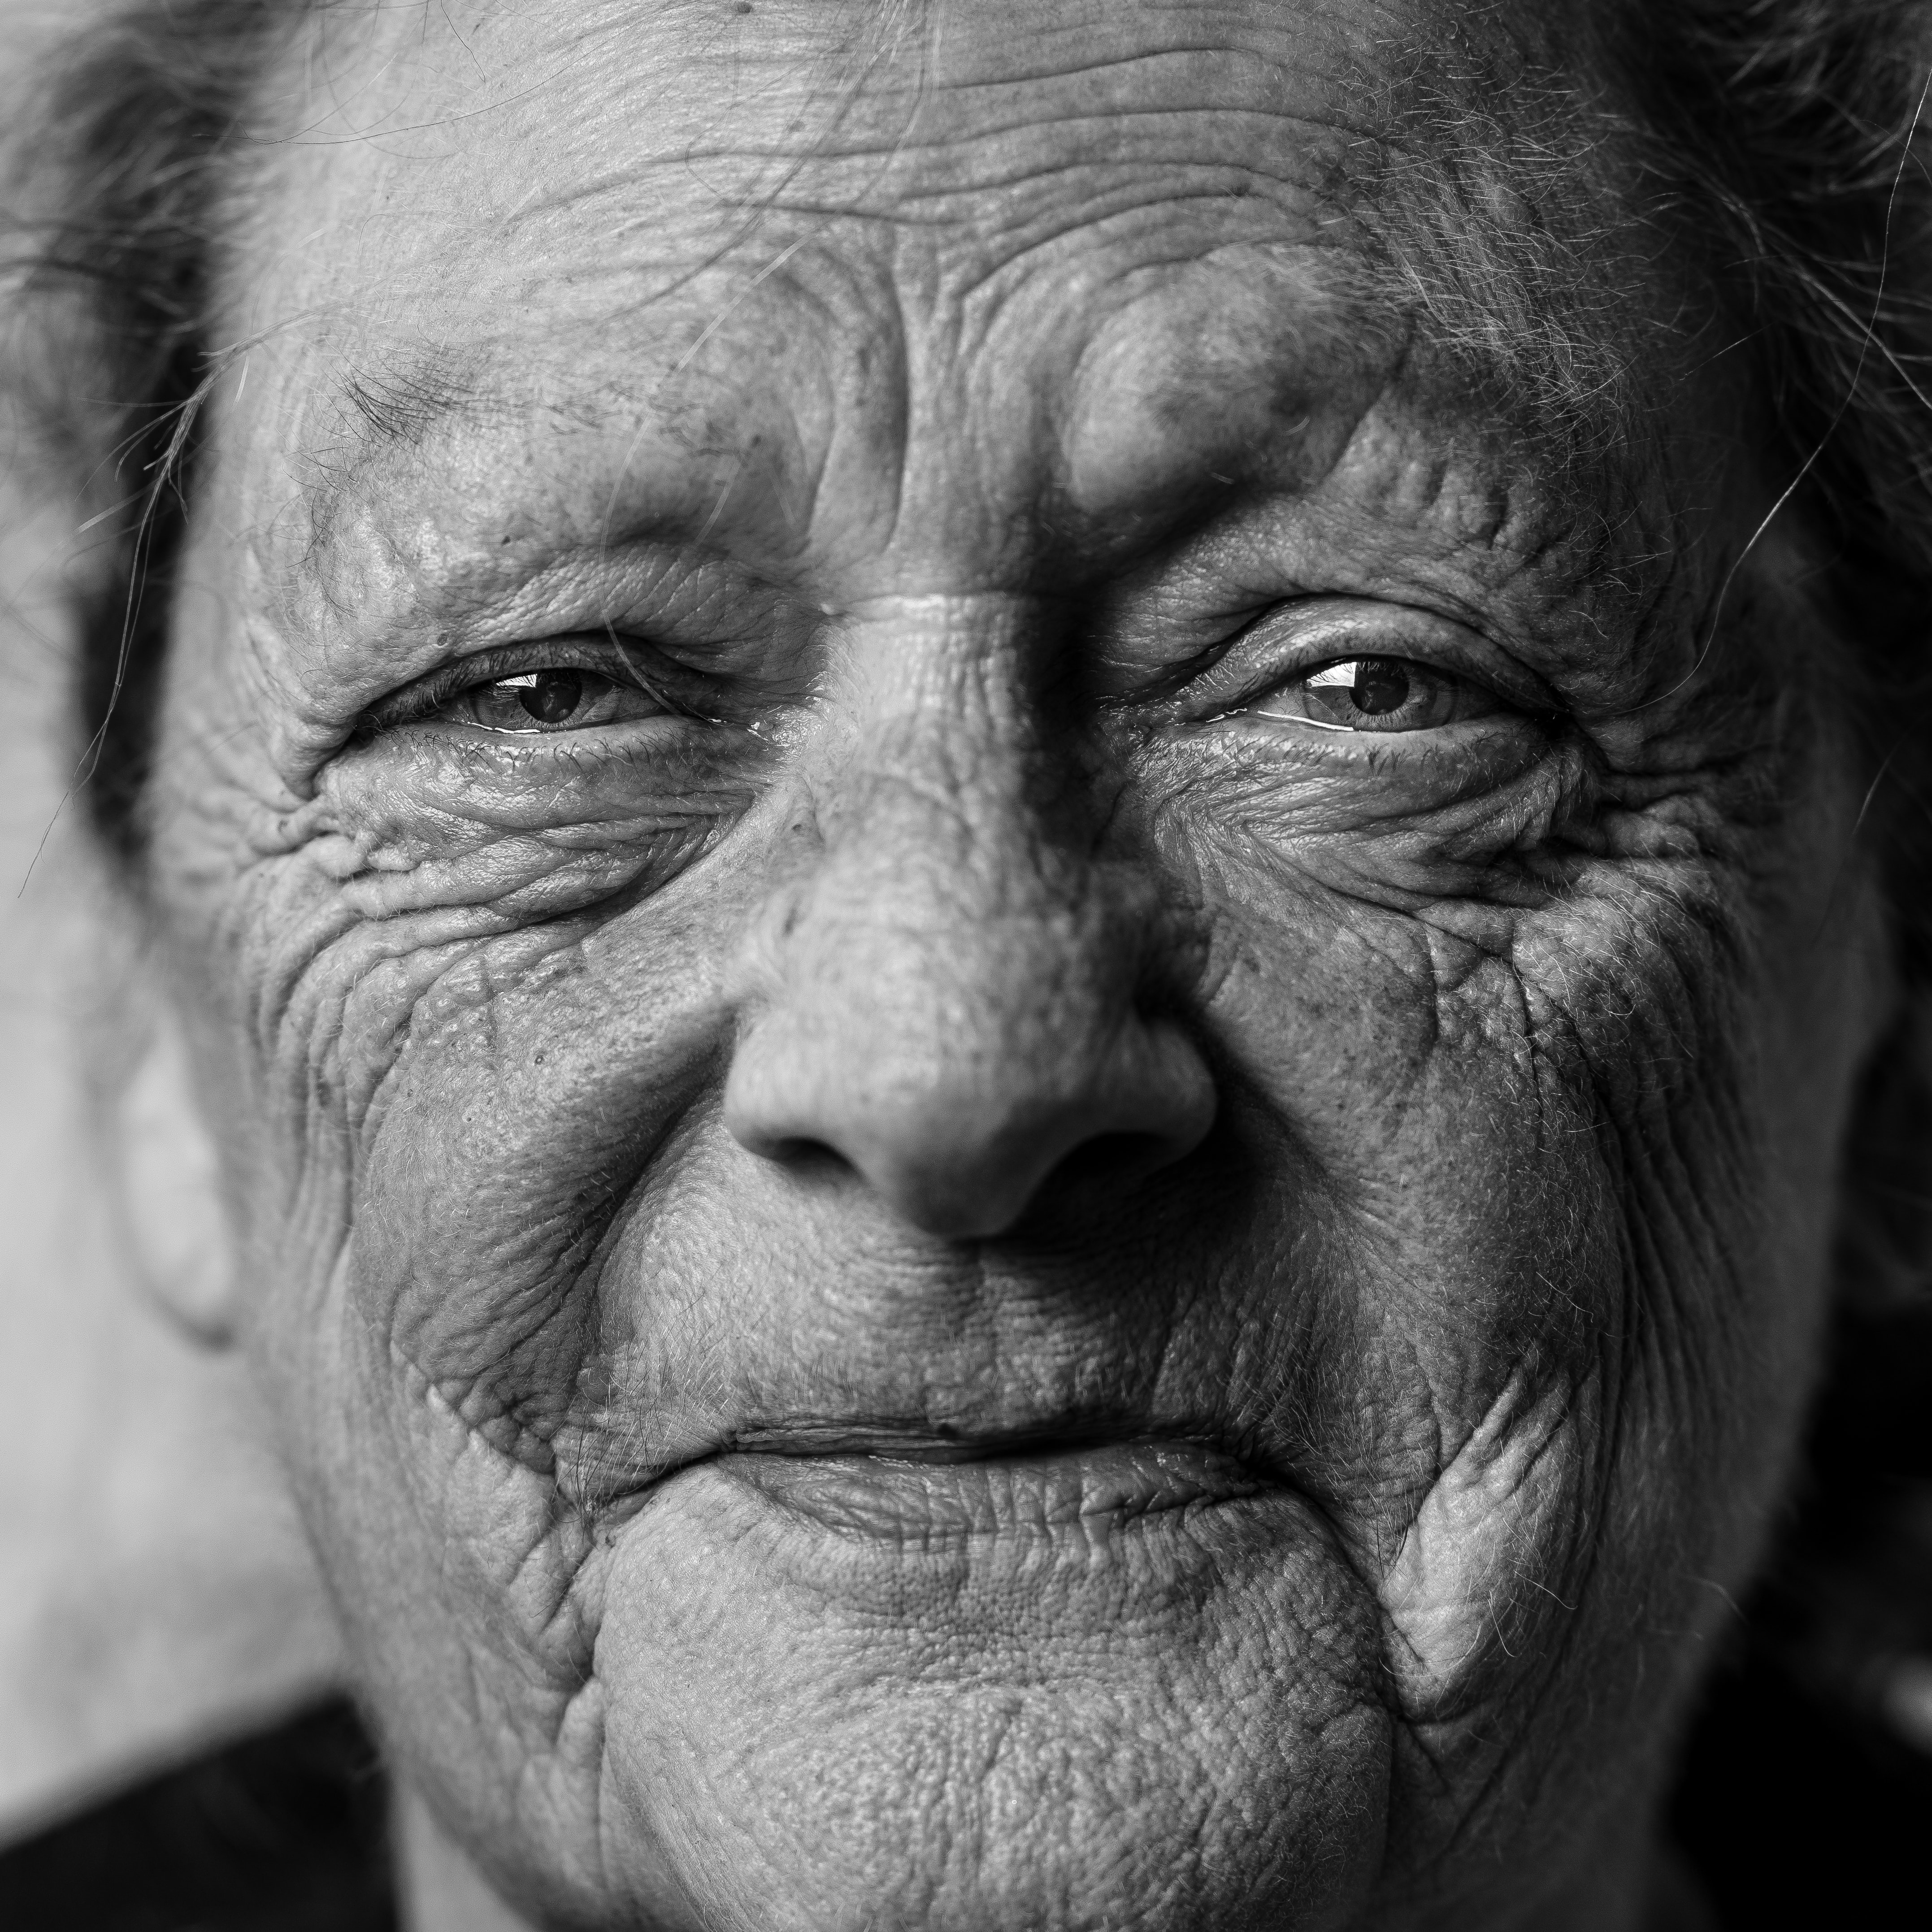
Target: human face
(1028,1020)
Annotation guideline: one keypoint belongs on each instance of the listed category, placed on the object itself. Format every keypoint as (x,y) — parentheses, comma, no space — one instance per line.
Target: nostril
(803,1155)
(1117,1158)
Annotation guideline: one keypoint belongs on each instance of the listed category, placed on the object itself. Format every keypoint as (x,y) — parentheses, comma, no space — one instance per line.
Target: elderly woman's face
(1029,1026)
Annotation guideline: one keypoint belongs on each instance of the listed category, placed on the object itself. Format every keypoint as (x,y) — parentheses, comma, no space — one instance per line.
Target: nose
(947,999)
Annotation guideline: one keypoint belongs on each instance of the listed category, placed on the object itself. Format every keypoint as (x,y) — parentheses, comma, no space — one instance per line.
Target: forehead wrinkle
(948,150)
(884,145)
(1458,262)
(1112,154)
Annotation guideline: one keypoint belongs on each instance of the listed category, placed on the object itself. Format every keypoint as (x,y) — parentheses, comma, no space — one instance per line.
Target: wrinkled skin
(967,1274)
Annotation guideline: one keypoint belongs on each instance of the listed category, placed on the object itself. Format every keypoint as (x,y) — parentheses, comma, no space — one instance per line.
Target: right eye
(541,690)
(554,698)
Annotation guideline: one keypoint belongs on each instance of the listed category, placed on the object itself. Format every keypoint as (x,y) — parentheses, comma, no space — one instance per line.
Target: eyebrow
(406,415)
(390,407)
(400,406)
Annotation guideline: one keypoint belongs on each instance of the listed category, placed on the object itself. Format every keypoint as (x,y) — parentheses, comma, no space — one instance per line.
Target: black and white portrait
(964,966)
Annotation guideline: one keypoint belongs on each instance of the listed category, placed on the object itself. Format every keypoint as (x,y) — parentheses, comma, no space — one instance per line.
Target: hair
(149,121)
(1782,148)
(1787,141)
(1787,146)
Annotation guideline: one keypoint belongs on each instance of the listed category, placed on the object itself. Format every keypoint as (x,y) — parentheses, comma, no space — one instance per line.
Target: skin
(984,1280)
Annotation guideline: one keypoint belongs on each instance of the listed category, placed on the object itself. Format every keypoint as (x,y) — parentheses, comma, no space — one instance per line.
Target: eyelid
(610,653)
(1291,640)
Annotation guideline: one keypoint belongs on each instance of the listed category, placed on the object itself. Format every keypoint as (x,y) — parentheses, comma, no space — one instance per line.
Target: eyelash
(1257,666)
(605,657)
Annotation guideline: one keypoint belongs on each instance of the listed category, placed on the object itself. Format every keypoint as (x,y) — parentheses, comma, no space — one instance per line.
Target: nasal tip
(971,1163)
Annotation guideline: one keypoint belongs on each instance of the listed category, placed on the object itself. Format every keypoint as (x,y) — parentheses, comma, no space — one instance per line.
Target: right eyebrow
(388,410)
(399,406)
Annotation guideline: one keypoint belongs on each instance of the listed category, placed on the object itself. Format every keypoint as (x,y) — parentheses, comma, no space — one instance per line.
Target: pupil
(553,696)
(1380,686)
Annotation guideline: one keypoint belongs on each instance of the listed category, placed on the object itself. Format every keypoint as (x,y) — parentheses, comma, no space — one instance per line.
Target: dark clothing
(286,1831)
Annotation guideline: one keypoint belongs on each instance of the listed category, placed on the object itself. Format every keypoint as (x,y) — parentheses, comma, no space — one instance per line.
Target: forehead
(629,146)
(836,238)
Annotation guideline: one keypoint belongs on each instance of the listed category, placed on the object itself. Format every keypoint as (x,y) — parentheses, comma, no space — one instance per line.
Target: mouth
(906,1483)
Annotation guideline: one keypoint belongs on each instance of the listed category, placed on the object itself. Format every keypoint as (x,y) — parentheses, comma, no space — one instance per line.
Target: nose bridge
(955,896)
(946,993)
(953,832)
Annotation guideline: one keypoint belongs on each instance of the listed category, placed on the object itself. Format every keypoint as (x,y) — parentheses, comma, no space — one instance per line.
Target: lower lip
(1103,1485)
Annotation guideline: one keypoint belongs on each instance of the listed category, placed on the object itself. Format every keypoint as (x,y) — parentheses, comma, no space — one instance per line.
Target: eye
(558,697)
(524,690)
(1379,694)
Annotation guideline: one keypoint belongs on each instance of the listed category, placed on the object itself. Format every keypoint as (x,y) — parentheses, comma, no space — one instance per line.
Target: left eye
(1376,694)
(559,697)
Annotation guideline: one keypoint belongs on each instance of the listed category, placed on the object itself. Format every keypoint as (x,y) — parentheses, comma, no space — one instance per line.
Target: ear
(168,1187)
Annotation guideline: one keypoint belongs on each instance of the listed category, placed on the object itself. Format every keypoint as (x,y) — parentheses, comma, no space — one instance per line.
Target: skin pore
(1028,1027)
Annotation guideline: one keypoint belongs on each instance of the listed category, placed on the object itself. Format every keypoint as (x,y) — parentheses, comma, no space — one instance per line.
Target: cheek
(1577,1160)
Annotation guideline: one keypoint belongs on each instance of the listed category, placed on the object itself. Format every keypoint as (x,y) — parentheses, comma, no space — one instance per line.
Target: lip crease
(871,1481)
